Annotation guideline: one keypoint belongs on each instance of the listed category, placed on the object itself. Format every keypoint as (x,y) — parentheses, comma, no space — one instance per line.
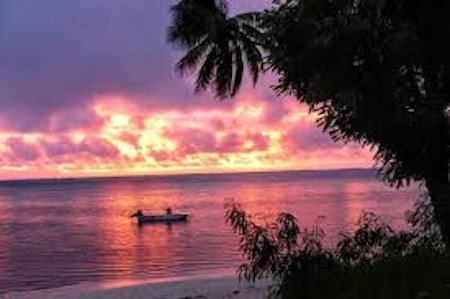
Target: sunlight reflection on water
(55,233)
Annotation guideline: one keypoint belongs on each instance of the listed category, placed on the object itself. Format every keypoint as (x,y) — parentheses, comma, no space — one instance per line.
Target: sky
(88,88)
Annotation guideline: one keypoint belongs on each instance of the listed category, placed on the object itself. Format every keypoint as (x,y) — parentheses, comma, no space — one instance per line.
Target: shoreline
(199,287)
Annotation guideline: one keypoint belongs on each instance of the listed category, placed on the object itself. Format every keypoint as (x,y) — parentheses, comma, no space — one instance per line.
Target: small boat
(167,218)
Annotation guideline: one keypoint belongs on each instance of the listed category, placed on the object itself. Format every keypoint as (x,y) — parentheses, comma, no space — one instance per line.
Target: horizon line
(131,175)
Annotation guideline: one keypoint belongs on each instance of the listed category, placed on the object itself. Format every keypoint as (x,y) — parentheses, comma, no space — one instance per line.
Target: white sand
(193,288)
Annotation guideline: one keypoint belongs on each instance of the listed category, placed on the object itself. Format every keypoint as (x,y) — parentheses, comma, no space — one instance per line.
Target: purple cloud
(56,55)
(98,147)
(60,147)
(21,151)
(308,138)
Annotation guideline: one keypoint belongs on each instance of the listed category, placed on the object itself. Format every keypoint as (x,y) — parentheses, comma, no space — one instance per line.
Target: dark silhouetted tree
(376,72)
(221,45)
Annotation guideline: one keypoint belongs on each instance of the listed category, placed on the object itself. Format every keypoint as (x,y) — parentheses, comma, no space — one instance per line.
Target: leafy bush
(375,261)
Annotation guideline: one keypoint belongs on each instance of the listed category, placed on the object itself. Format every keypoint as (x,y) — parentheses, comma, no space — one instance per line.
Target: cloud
(88,86)
(97,147)
(74,119)
(56,55)
(129,140)
(306,137)
(58,147)
(21,151)
(200,141)
(259,141)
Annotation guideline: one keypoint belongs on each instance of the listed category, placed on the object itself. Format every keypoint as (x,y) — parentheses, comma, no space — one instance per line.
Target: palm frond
(253,56)
(206,71)
(224,72)
(239,70)
(192,20)
(189,61)
(254,34)
(200,26)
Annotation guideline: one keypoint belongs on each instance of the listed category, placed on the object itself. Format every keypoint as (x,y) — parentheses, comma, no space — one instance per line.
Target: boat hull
(162,218)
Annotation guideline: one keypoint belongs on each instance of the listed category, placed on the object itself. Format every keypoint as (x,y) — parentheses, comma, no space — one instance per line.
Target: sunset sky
(88,88)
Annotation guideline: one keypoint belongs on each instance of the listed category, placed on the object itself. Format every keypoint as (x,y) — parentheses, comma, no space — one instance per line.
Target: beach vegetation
(373,261)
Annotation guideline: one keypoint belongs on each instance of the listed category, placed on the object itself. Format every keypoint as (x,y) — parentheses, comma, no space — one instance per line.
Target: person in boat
(168,211)
(138,214)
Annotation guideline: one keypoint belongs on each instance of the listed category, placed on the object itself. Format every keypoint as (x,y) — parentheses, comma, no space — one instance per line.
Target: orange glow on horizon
(126,140)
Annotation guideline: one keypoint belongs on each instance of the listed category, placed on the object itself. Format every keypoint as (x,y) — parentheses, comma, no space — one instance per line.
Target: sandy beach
(183,288)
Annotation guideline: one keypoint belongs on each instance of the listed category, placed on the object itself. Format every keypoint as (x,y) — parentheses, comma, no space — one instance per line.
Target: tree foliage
(217,44)
(360,65)
(376,73)
(374,261)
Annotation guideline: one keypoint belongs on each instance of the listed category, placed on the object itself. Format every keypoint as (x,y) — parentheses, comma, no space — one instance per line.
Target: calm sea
(65,232)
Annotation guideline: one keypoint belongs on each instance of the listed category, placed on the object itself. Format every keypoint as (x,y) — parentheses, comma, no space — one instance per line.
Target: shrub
(375,261)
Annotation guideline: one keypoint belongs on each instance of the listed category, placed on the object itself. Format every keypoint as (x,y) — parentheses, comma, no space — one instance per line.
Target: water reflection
(69,232)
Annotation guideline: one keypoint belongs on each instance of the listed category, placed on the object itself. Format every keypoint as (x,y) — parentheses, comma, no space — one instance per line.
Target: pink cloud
(75,119)
(260,142)
(19,150)
(98,147)
(127,139)
(60,147)
(231,142)
(306,137)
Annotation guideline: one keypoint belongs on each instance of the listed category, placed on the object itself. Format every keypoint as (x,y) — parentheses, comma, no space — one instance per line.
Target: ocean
(70,231)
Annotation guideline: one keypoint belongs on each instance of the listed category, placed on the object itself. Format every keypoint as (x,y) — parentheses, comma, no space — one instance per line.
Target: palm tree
(216,44)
